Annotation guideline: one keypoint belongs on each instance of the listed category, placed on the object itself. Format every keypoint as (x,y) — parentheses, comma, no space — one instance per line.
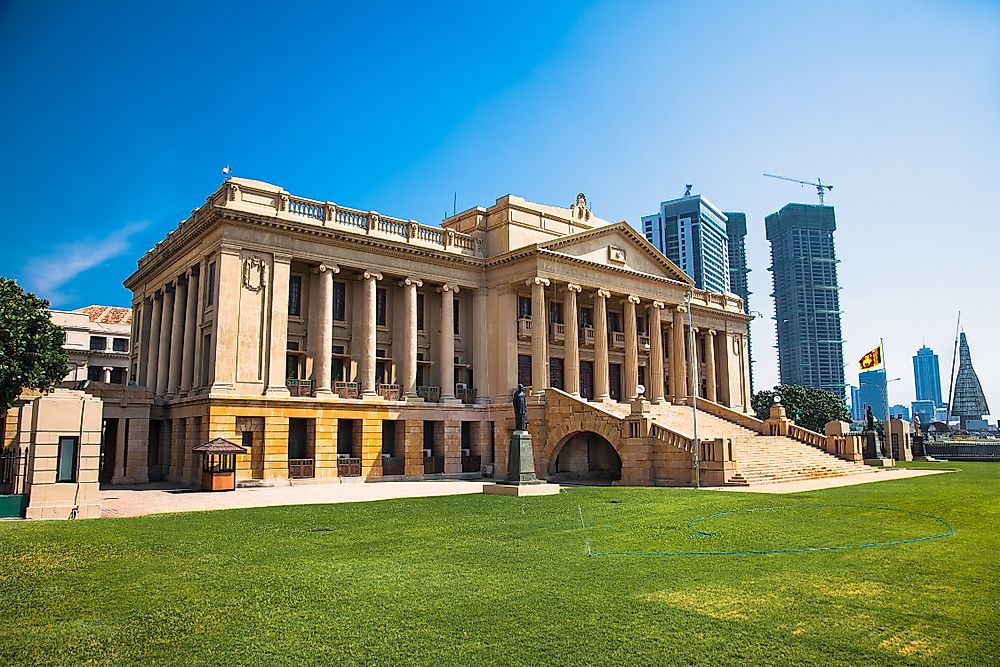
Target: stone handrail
(734,416)
(796,432)
(672,439)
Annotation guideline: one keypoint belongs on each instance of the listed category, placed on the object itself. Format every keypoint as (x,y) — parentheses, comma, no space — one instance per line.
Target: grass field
(496,580)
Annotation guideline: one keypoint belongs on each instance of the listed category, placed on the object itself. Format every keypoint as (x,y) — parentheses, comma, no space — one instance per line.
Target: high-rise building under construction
(806,297)
(969,402)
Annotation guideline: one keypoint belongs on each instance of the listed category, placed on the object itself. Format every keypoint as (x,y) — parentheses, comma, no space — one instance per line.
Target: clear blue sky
(118,116)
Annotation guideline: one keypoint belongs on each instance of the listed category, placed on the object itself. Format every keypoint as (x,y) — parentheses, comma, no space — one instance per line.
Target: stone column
(153,342)
(710,392)
(190,333)
(324,336)
(655,379)
(571,345)
(601,386)
(408,373)
(539,336)
(163,357)
(631,349)
(677,353)
(745,372)
(278,353)
(447,341)
(177,337)
(480,346)
(140,348)
(106,374)
(118,475)
(366,362)
(726,380)
(693,340)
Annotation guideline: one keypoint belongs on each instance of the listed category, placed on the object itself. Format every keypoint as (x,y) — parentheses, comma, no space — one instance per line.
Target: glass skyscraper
(927,376)
(736,230)
(691,232)
(806,297)
(872,392)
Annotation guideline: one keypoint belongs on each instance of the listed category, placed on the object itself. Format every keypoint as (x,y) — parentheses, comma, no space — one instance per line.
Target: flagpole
(885,422)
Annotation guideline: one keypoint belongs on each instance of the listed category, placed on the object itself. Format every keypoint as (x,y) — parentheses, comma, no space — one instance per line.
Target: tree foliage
(809,408)
(31,346)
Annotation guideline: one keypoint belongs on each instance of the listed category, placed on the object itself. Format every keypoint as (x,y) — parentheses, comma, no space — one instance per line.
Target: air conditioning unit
(343,456)
(466,452)
(386,456)
(460,386)
(427,453)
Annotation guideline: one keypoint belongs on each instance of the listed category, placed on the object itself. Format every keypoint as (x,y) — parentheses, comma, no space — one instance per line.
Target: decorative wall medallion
(616,254)
(254,271)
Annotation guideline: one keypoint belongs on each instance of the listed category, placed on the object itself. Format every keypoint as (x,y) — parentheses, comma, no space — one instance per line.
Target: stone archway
(585,456)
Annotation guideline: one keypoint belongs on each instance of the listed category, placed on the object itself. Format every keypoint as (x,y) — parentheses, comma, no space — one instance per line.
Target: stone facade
(98,339)
(334,341)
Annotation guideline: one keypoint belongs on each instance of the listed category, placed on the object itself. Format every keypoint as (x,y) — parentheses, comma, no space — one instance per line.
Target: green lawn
(480,580)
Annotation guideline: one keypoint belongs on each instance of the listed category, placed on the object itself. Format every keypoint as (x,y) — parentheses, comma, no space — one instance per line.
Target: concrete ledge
(879,463)
(521,490)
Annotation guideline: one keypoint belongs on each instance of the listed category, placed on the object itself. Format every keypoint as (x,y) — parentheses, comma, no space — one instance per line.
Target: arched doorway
(586,457)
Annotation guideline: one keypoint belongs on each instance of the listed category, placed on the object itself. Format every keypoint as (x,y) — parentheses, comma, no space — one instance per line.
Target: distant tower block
(969,402)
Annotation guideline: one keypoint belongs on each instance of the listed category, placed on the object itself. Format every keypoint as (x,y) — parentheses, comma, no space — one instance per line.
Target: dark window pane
(295,295)
(210,285)
(458,317)
(339,300)
(120,344)
(66,470)
(524,369)
(98,343)
(524,307)
(420,312)
(380,303)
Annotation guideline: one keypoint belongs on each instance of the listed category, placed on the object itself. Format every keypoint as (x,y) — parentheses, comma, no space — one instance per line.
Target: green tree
(809,408)
(31,346)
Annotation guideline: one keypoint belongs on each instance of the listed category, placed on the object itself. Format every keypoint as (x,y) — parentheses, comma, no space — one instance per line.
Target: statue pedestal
(521,479)
(873,452)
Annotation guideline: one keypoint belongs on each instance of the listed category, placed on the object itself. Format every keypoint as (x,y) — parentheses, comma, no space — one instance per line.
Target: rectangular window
(456,320)
(555,312)
(339,300)
(119,344)
(420,312)
(524,369)
(210,285)
(556,372)
(524,307)
(66,465)
(295,295)
(586,317)
(614,321)
(95,373)
(381,295)
(98,343)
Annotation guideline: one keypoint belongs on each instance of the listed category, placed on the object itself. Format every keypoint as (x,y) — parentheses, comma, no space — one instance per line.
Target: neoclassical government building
(331,341)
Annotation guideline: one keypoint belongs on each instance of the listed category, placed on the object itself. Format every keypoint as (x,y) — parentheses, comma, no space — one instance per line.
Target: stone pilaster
(710,392)
(695,383)
(447,341)
(324,336)
(190,332)
(230,276)
(601,383)
(480,345)
(539,336)
(631,349)
(655,379)
(278,339)
(571,344)
(366,361)
(163,356)
(452,446)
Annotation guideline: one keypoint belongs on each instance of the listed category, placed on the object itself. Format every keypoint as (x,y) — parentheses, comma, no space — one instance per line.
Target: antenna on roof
(227,171)
(687,189)
(454,205)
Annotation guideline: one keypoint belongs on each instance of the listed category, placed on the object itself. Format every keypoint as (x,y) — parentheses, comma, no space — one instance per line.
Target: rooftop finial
(687,189)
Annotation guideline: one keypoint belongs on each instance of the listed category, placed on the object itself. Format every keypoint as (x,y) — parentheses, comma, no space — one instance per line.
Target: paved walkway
(161,498)
(880,475)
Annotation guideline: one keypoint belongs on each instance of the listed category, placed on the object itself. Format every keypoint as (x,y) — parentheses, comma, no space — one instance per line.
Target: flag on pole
(872,359)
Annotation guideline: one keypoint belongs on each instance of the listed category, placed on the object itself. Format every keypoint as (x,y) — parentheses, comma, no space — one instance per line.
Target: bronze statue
(520,409)
(869,419)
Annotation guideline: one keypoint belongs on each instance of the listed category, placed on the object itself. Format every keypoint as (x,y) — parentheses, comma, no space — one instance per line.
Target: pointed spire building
(969,401)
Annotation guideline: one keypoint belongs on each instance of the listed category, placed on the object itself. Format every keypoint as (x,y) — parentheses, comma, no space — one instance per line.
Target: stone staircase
(760,459)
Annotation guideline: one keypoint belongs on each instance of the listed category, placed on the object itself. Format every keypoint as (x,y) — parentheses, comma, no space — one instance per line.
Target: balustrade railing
(617,339)
(299,387)
(429,394)
(587,335)
(301,468)
(346,389)
(466,395)
(389,392)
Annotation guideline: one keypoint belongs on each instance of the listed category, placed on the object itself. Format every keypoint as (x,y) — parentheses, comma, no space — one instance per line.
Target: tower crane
(819,185)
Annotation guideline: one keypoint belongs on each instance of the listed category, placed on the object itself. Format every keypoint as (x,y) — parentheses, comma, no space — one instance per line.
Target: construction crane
(819,185)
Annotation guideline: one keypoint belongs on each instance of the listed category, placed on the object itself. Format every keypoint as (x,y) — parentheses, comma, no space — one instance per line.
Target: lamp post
(694,393)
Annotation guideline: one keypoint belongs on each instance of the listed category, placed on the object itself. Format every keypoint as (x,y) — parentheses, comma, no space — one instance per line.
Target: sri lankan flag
(872,359)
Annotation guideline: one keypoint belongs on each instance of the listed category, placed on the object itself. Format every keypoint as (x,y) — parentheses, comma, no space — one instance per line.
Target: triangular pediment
(618,246)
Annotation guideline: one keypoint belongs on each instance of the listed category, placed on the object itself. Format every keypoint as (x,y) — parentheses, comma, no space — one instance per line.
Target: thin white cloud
(48,275)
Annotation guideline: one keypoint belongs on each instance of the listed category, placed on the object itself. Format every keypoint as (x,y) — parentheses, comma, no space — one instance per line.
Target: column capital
(632,298)
(570,287)
(537,280)
(658,305)
(407,282)
(229,248)
(696,329)
(603,293)
(680,308)
(282,257)
(323,268)
(448,287)
(369,275)
(711,332)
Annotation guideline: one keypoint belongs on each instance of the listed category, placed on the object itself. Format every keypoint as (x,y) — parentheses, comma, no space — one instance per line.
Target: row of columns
(167,368)
(679,375)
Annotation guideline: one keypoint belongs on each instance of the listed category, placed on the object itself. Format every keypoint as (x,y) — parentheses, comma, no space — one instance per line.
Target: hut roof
(220,446)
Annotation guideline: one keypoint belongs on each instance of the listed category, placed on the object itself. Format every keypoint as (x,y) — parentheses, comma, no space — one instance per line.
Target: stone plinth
(521,480)
(537,488)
